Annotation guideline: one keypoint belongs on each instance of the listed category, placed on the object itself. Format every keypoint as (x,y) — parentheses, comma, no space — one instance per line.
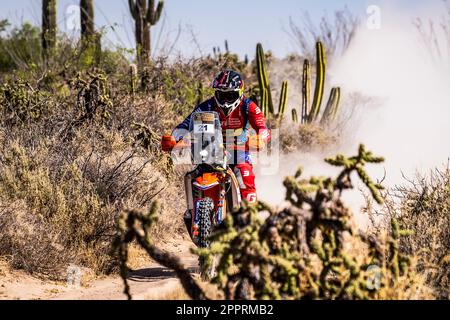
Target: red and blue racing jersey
(239,122)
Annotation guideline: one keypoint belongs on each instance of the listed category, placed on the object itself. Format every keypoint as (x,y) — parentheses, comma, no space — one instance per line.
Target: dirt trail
(151,282)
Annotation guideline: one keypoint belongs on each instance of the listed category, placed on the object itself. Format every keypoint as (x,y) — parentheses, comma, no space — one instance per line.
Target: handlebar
(256,142)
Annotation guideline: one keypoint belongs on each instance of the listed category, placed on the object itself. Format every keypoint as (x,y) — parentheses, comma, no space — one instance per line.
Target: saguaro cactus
(144,16)
(90,40)
(87,20)
(320,81)
(48,25)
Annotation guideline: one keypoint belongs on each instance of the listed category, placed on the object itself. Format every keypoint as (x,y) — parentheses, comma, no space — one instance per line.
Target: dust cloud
(408,121)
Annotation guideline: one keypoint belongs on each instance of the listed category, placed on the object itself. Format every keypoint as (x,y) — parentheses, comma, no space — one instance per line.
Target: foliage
(93,95)
(423,205)
(21,47)
(69,164)
(300,252)
(20,102)
(435,35)
(4,24)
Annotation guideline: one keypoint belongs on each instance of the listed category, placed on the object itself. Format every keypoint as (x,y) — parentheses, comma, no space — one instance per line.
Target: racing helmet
(229,90)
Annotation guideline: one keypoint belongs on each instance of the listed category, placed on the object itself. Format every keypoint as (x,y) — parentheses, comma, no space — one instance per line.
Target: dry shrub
(306,137)
(423,206)
(78,146)
(65,177)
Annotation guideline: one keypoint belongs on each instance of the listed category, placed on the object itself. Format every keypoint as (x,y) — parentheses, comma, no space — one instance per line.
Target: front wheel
(205,209)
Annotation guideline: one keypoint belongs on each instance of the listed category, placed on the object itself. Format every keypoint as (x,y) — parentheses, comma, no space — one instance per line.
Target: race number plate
(203,128)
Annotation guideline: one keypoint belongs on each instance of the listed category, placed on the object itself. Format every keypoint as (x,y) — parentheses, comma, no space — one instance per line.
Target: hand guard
(168,143)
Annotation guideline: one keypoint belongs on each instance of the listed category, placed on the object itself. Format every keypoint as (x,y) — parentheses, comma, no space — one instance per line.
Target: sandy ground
(152,281)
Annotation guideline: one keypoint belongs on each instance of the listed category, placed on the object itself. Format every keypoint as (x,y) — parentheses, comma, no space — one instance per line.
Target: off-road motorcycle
(212,190)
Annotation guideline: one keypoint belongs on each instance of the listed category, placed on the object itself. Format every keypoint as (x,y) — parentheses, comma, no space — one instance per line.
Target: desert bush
(306,137)
(309,250)
(69,203)
(20,102)
(20,47)
(61,193)
(423,206)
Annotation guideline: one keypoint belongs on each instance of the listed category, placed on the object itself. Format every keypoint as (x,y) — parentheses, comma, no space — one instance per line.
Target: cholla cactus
(94,97)
(296,253)
(136,226)
(22,102)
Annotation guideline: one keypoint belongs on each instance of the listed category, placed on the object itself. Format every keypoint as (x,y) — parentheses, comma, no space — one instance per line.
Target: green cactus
(294,116)
(133,78)
(136,226)
(265,102)
(90,40)
(265,92)
(283,99)
(336,103)
(320,81)
(332,106)
(263,80)
(49,25)
(311,112)
(144,16)
(87,19)
(306,90)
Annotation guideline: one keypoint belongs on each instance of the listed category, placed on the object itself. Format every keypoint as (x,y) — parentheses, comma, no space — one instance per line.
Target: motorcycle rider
(237,113)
